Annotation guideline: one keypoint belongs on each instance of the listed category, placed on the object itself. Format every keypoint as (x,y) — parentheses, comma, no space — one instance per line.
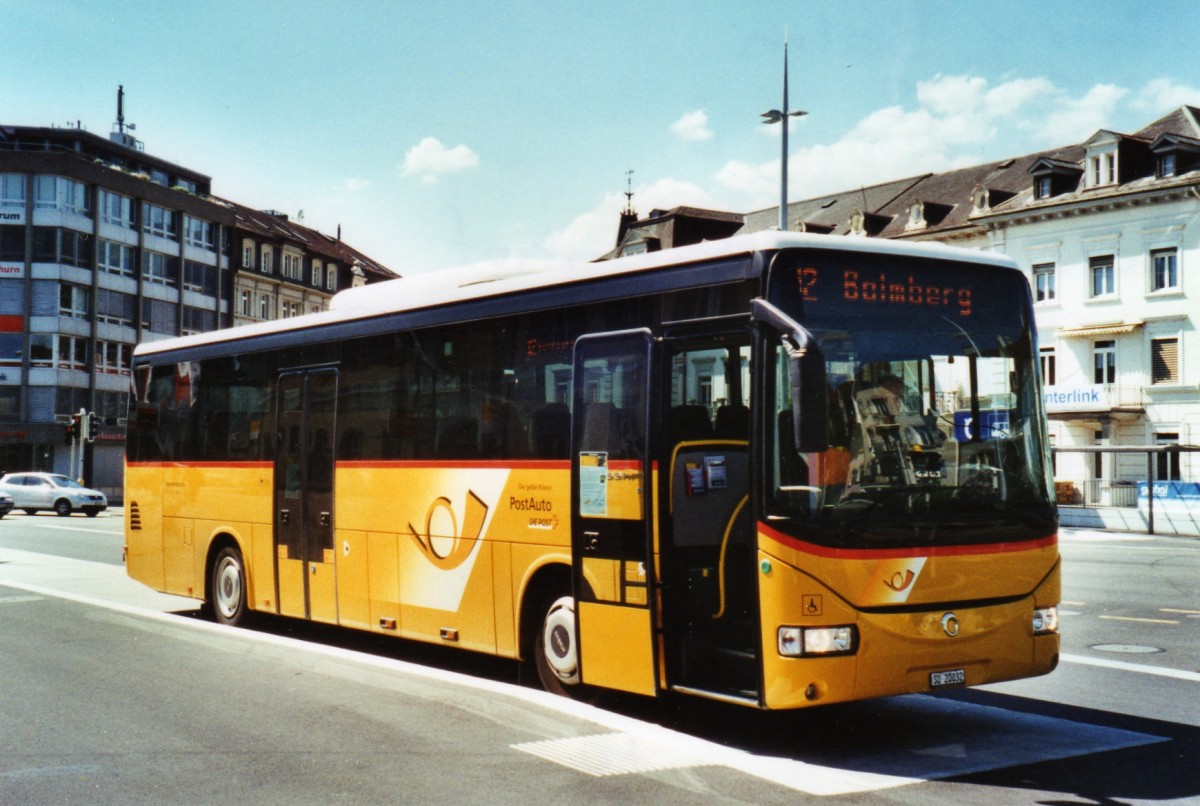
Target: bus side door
(611,514)
(304,464)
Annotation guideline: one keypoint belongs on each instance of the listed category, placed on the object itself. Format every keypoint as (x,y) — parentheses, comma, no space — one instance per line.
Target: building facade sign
(9,269)
(1084,397)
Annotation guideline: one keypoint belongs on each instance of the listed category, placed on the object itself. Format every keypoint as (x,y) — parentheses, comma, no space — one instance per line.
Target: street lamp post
(781,116)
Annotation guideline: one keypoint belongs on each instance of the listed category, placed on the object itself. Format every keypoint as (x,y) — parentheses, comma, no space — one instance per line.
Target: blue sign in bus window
(994,425)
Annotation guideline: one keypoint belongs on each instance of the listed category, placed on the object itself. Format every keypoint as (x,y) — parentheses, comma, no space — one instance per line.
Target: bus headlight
(1045,620)
(798,642)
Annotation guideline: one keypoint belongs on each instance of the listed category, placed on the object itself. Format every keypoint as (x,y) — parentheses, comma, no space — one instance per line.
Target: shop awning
(1088,331)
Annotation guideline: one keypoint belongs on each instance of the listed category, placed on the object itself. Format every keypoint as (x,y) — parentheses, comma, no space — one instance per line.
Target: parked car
(34,491)
(6,504)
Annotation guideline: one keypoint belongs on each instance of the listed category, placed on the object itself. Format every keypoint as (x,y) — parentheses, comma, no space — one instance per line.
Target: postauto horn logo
(448,548)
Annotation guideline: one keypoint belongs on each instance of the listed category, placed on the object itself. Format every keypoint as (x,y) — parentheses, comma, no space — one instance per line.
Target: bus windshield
(935,423)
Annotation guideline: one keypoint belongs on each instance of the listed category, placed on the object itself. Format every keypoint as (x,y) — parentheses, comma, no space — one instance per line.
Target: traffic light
(72,428)
(89,427)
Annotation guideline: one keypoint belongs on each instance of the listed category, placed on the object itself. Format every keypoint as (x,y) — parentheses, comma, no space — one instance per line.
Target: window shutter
(1164,361)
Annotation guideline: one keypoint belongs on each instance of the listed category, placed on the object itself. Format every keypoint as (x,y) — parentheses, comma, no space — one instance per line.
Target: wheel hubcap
(558,638)
(229,587)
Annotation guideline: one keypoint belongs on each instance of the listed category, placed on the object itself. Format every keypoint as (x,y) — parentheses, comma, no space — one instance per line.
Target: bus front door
(305,567)
(611,514)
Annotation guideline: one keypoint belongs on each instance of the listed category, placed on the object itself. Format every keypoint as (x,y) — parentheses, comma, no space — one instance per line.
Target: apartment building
(103,246)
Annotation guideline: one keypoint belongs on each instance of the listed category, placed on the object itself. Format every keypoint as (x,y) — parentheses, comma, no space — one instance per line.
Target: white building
(1112,246)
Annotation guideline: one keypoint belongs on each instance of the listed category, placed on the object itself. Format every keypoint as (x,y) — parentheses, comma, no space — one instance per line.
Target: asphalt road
(110,693)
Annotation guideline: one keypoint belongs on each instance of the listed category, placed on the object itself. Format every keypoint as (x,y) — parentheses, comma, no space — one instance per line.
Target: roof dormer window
(916,216)
(1102,169)
(1175,155)
(1053,177)
(1166,165)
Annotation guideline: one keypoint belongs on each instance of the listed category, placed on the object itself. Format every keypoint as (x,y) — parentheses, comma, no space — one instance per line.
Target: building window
(264,306)
(1042,187)
(60,193)
(159,316)
(267,260)
(198,320)
(1049,366)
(1104,281)
(116,209)
(1166,165)
(199,233)
(160,221)
(1164,361)
(331,277)
(112,357)
(115,307)
(12,190)
(73,301)
(12,242)
(200,277)
(72,352)
(159,268)
(318,274)
(1165,268)
(1043,281)
(54,245)
(247,255)
(116,258)
(291,267)
(244,303)
(1167,463)
(1104,361)
(41,350)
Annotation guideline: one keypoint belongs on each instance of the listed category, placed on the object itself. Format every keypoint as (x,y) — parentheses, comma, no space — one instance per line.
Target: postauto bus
(778,470)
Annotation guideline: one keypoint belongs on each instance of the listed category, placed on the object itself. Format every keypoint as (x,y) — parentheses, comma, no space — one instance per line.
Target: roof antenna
(629,194)
(121,111)
(122,135)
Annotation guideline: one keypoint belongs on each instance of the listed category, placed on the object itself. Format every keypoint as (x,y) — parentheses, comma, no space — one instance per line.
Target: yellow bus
(778,470)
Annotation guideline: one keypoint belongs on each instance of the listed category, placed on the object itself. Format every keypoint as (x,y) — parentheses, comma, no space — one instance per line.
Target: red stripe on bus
(455,464)
(897,553)
(230,464)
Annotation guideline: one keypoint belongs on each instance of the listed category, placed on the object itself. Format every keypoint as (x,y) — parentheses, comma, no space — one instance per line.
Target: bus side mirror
(806,373)
(810,400)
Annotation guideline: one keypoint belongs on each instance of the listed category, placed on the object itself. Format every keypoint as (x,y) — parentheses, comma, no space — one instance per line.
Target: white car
(34,491)
(6,504)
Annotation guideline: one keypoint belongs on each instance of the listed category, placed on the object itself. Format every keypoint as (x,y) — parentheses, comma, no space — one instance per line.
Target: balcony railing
(1095,493)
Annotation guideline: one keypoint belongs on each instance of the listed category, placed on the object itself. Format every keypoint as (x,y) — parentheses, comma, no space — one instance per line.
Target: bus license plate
(954,677)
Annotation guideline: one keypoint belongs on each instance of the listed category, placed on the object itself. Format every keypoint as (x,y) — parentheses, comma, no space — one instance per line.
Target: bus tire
(227,587)
(554,649)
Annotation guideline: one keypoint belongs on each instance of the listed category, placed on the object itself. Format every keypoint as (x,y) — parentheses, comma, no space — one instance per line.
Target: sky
(451,133)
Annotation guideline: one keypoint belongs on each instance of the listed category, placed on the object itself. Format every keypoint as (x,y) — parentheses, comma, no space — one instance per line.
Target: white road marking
(1139,668)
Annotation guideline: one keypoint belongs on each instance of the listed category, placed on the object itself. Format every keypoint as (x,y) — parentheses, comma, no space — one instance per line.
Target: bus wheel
(227,591)
(554,649)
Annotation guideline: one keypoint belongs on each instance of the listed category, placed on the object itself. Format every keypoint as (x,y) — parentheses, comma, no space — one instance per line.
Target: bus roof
(494,279)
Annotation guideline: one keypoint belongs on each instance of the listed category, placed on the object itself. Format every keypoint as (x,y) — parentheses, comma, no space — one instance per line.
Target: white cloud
(593,233)
(693,127)
(429,159)
(1073,120)
(1161,95)
(957,121)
